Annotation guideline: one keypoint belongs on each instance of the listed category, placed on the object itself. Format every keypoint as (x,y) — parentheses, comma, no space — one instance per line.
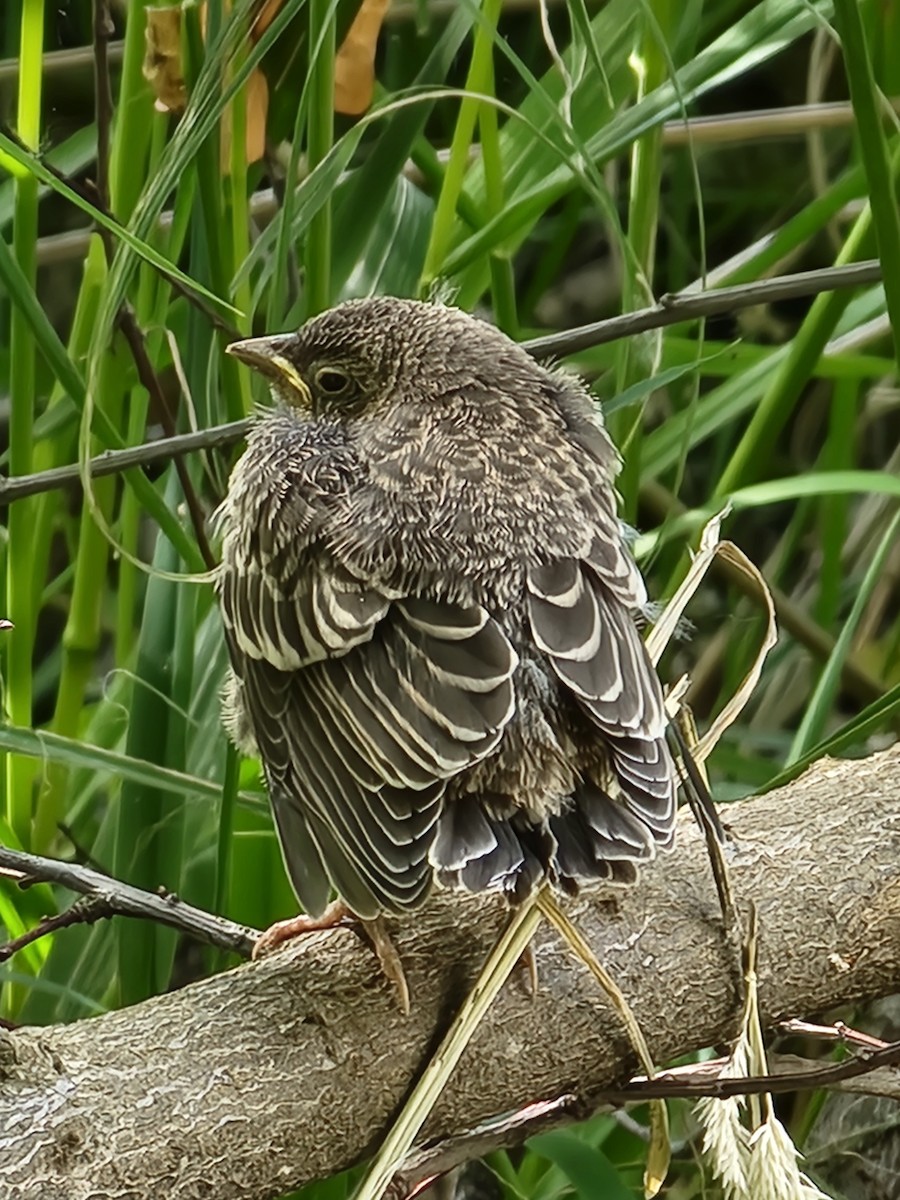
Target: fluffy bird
(430,612)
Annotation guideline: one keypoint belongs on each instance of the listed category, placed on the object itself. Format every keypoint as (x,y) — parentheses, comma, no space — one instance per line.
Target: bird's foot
(284,931)
(335,914)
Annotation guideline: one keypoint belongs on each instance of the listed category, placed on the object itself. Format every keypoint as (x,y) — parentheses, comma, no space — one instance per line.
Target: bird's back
(430,612)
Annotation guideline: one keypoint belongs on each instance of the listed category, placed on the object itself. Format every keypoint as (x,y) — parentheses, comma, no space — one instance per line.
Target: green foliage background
(588,195)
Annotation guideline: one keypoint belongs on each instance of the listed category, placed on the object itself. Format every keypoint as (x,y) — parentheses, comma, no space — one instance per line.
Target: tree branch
(289,1069)
(107,897)
(692,304)
(672,309)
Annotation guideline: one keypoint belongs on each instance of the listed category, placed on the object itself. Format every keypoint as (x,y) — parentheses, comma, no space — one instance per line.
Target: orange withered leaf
(354,66)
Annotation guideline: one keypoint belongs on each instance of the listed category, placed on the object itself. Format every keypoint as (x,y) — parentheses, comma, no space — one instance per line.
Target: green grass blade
(817,711)
(868,105)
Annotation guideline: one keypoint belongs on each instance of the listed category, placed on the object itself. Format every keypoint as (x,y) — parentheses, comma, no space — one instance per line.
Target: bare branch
(705,1080)
(689,305)
(112,462)
(671,310)
(111,897)
(253,1082)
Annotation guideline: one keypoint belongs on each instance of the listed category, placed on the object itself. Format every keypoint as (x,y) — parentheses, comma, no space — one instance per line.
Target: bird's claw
(335,914)
(285,931)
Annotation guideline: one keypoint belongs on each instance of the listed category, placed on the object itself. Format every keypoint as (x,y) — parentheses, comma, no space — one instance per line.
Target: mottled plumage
(430,612)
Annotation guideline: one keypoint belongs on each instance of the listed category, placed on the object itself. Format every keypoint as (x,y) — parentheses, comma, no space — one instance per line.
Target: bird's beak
(268,356)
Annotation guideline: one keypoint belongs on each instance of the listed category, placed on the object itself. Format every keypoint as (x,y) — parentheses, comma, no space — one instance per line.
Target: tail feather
(478,852)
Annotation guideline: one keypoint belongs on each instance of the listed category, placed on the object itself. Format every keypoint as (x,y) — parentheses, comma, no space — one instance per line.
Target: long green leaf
(816,714)
(69,752)
(776,491)
(33,164)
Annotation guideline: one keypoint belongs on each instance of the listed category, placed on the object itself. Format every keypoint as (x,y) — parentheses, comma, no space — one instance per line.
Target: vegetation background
(553,164)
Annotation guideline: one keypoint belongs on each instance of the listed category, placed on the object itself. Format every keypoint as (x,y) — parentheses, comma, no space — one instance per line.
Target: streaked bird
(430,611)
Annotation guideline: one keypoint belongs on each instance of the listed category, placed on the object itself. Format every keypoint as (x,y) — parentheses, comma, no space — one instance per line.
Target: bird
(432,617)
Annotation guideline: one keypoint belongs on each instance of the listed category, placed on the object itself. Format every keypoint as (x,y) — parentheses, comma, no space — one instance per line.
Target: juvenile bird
(430,613)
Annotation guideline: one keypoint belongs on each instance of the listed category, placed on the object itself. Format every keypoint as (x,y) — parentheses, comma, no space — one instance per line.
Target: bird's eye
(331,381)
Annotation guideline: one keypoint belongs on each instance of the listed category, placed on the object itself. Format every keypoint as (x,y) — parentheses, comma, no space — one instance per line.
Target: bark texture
(246,1085)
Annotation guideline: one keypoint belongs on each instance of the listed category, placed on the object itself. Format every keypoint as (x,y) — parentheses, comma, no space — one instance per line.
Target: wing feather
(291,624)
(595,650)
(362,704)
(367,851)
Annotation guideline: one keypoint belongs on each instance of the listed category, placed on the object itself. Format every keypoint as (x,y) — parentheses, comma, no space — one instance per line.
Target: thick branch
(286,1070)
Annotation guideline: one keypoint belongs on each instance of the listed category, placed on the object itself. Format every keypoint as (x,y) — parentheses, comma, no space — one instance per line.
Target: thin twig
(122,899)
(838,1032)
(670,310)
(112,462)
(134,336)
(103,102)
(85,911)
(673,309)
(699,1081)
(429,1161)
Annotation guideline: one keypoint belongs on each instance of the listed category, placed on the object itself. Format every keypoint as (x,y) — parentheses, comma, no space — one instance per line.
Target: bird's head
(366,355)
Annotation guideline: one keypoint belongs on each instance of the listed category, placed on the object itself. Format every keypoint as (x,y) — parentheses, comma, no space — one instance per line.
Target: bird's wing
(580,613)
(362,706)
(292,619)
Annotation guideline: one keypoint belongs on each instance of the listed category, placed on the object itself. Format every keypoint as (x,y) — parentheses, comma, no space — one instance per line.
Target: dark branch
(700,1081)
(112,462)
(693,305)
(671,310)
(433,1159)
(85,911)
(111,897)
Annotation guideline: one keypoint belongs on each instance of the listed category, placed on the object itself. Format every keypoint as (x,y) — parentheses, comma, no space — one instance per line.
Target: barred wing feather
(376,702)
(580,622)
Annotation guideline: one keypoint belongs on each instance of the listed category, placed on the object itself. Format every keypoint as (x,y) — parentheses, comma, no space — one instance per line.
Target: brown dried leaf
(162,59)
(257,110)
(268,11)
(354,65)
(256,95)
(256,100)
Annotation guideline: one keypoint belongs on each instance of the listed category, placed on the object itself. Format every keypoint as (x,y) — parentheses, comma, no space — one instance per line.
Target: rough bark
(254,1082)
